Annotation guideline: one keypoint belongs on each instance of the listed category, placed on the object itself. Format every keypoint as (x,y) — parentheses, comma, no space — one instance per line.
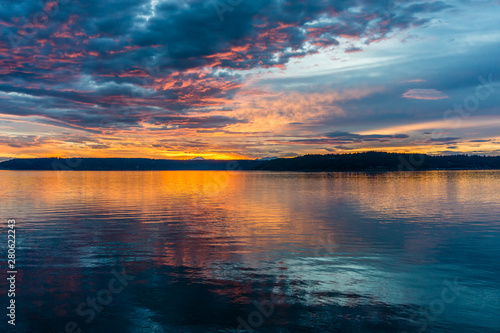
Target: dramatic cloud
(218,71)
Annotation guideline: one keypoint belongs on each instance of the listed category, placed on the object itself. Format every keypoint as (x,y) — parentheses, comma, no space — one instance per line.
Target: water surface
(266,252)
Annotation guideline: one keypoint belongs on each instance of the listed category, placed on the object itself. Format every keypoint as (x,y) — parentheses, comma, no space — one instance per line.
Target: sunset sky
(248,78)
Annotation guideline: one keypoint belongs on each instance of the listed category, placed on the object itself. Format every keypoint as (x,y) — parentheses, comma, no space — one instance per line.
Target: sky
(224,79)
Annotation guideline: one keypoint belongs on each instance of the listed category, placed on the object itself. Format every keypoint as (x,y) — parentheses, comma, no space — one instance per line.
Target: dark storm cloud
(449,139)
(443,141)
(484,140)
(123,60)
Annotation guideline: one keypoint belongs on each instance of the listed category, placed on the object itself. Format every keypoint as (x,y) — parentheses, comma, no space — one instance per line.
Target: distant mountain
(269,158)
(372,161)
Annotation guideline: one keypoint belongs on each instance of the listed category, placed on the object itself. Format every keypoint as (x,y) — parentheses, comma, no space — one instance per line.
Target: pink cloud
(427,94)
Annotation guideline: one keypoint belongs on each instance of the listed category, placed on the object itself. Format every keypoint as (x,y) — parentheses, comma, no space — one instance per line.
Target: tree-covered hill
(368,161)
(379,161)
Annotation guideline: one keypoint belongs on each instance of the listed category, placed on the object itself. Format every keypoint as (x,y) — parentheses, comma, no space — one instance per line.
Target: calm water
(256,252)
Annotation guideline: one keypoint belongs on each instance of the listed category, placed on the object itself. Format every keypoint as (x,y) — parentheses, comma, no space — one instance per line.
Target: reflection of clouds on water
(358,252)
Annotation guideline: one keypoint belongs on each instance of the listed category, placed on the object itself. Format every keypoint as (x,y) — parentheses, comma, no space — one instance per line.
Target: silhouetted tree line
(332,162)
(125,164)
(380,161)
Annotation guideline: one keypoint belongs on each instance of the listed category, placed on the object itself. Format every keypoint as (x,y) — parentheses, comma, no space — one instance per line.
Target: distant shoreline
(364,162)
